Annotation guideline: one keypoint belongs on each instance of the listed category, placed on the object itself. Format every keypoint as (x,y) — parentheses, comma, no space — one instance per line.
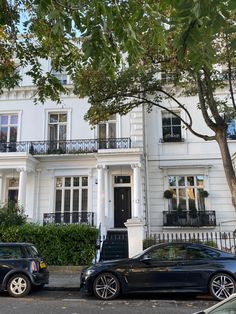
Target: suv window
(7,252)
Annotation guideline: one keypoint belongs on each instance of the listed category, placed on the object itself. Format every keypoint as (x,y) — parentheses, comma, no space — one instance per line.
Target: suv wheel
(18,286)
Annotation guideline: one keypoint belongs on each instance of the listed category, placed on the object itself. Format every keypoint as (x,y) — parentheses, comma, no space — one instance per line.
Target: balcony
(82,146)
(189,219)
(68,218)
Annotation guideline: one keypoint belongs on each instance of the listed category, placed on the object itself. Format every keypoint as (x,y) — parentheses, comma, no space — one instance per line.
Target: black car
(21,268)
(169,267)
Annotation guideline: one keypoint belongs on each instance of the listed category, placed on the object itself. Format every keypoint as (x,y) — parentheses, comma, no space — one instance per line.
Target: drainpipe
(146,189)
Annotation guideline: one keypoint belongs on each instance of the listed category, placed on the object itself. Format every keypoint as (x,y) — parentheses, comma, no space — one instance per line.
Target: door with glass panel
(107,133)
(8,132)
(57,132)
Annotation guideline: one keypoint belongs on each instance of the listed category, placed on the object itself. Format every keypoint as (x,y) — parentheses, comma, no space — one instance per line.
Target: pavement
(64,278)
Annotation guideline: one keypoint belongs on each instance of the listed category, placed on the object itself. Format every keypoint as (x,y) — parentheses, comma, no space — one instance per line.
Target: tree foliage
(115,52)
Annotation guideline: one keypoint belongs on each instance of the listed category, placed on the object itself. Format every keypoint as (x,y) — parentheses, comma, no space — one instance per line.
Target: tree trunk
(227,162)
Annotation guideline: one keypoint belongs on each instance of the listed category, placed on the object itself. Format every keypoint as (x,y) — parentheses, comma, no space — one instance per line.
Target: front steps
(115,246)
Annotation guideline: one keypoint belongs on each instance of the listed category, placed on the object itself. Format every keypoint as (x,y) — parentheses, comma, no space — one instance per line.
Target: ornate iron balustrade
(69,218)
(82,146)
(189,218)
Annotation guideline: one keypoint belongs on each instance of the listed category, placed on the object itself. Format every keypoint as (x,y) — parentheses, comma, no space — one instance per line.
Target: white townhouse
(59,169)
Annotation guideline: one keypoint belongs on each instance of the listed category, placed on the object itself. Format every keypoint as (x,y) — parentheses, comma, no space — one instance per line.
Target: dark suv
(21,268)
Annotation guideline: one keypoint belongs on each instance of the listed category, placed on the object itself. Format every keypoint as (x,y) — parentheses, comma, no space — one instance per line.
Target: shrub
(59,245)
(12,215)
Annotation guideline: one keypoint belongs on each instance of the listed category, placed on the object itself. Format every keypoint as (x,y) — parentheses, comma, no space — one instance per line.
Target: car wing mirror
(145,258)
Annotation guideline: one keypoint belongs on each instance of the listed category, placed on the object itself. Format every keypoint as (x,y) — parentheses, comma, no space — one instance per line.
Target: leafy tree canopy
(115,52)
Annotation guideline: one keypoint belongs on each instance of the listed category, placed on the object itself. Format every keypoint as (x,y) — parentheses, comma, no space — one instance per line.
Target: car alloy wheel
(106,286)
(222,286)
(18,286)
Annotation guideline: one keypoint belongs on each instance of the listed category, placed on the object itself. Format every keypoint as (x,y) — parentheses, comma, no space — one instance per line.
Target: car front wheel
(106,286)
(18,286)
(222,286)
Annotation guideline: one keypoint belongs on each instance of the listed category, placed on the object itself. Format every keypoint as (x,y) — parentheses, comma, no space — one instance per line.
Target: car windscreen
(226,308)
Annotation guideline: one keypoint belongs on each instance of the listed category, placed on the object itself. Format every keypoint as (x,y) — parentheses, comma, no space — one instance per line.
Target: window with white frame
(187,192)
(8,131)
(171,127)
(107,133)
(71,203)
(61,76)
(57,130)
(231,130)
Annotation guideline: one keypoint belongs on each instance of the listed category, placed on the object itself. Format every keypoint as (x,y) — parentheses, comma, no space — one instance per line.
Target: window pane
(59,182)
(67,201)
(13,134)
(75,200)
(231,130)
(63,117)
(122,179)
(166,119)
(4,119)
(102,131)
(182,199)
(58,200)
(67,181)
(172,181)
(177,131)
(191,199)
(62,132)
(175,120)
(174,200)
(76,181)
(14,120)
(84,200)
(53,132)
(200,181)
(53,118)
(181,181)
(190,181)
(3,134)
(166,132)
(112,130)
(84,181)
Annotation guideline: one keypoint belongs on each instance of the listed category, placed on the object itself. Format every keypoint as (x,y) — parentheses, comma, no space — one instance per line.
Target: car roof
(15,243)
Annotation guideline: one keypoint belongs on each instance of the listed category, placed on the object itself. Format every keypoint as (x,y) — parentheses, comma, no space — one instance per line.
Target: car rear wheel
(222,286)
(18,286)
(106,286)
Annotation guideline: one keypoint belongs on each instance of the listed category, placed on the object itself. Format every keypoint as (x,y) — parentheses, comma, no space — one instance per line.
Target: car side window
(202,253)
(8,252)
(168,253)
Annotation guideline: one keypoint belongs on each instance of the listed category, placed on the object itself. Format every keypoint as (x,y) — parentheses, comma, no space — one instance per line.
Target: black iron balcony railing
(189,218)
(65,147)
(69,218)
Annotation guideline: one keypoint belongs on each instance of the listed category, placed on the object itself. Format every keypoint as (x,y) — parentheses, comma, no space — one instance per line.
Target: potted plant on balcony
(204,193)
(193,213)
(181,212)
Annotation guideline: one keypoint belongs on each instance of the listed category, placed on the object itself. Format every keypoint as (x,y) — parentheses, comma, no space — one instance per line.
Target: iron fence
(78,218)
(78,146)
(225,241)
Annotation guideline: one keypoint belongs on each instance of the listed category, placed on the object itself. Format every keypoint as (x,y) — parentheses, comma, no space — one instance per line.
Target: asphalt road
(73,302)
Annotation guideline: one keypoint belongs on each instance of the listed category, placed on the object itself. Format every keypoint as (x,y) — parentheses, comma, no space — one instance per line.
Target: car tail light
(34,266)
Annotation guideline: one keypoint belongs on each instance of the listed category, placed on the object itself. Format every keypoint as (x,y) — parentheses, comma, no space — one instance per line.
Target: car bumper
(40,278)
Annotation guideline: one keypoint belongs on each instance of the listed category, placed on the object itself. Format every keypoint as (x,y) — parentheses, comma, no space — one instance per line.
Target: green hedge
(59,245)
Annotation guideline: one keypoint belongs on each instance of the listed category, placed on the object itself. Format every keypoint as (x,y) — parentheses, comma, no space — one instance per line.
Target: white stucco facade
(62,168)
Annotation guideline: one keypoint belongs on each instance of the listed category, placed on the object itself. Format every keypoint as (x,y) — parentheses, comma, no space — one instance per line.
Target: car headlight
(88,272)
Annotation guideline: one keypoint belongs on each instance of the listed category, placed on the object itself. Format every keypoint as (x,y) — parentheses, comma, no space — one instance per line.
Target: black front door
(13,196)
(122,206)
